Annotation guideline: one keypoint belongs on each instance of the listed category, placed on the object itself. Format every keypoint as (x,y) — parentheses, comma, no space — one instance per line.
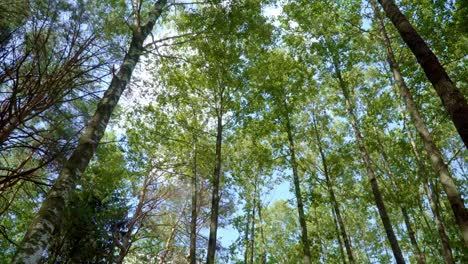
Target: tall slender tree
(193,221)
(397,253)
(47,220)
(329,184)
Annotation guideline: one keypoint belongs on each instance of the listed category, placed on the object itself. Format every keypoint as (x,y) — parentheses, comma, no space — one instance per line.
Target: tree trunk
(262,234)
(338,236)
(47,220)
(446,249)
(421,259)
(170,239)
(441,169)
(331,192)
(452,99)
(124,241)
(252,228)
(297,191)
(215,195)
(193,221)
(246,238)
(370,171)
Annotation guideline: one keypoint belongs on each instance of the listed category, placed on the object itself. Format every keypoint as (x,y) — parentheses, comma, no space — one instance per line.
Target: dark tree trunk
(193,221)
(252,228)
(246,238)
(441,169)
(446,248)
(331,192)
(421,259)
(215,194)
(368,164)
(262,234)
(297,192)
(338,236)
(452,99)
(47,221)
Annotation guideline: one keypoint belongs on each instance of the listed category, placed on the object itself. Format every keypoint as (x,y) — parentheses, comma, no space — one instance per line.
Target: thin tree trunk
(124,242)
(421,259)
(441,169)
(193,222)
(452,99)
(338,236)
(246,238)
(262,234)
(446,248)
(215,195)
(170,239)
(297,191)
(47,220)
(331,192)
(370,171)
(423,215)
(252,228)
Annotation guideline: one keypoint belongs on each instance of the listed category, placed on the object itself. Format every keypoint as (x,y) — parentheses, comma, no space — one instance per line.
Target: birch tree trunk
(446,248)
(48,219)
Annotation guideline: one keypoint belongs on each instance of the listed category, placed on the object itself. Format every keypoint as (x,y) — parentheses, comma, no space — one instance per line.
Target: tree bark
(193,221)
(370,171)
(215,195)
(297,190)
(452,99)
(331,192)
(436,158)
(47,221)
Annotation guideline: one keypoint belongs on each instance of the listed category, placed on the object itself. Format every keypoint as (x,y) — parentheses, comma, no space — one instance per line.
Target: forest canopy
(234,131)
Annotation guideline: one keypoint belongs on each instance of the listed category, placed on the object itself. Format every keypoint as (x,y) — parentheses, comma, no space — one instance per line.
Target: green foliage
(98,210)
(264,76)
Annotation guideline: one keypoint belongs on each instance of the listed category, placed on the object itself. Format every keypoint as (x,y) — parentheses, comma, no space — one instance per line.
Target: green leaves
(265,77)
